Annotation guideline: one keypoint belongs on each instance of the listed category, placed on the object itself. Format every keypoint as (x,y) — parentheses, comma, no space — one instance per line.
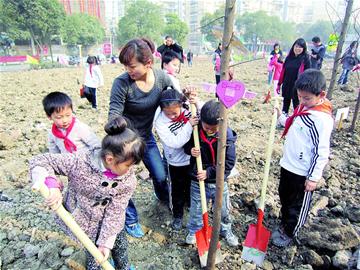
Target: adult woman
(348,60)
(135,95)
(295,63)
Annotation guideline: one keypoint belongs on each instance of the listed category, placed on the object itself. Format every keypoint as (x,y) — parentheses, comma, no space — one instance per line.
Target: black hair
(171,96)
(166,37)
(312,81)
(122,142)
(167,57)
(316,39)
(56,102)
(300,42)
(141,49)
(210,112)
(91,60)
(276,44)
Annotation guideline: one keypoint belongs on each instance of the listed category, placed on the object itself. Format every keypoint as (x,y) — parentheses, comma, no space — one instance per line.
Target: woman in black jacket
(295,63)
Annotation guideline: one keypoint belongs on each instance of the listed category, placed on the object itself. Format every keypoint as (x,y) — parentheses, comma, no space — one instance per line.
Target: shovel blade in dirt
(256,241)
(267,97)
(203,237)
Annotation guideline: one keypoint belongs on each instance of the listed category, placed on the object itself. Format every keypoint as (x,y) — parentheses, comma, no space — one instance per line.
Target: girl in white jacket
(174,126)
(93,80)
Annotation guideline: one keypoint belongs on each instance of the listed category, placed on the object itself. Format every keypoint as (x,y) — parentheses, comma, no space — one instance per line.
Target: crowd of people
(101,173)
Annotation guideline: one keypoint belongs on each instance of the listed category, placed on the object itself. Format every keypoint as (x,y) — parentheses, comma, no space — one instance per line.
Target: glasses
(112,184)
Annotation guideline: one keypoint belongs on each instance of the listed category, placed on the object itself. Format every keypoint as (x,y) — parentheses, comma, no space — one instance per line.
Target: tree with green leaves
(213,22)
(82,29)
(142,19)
(322,29)
(40,18)
(175,28)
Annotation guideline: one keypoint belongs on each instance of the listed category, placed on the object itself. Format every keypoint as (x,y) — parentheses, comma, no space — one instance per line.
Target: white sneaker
(190,239)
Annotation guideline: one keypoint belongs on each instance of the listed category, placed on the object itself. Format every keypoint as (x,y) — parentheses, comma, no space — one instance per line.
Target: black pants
(217,78)
(180,188)
(91,96)
(287,101)
(118,253)
(295,202)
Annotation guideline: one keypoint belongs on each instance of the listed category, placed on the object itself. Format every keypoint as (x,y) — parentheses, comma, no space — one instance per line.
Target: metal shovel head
(203,237)
(256,242)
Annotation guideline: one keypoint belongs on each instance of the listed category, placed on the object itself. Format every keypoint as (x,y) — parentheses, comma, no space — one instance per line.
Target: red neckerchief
(205,139)
(90,69)
(181,118)
(299,110)
(69,145)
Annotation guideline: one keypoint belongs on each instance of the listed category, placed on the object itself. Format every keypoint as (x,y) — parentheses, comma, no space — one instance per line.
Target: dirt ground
(30,239)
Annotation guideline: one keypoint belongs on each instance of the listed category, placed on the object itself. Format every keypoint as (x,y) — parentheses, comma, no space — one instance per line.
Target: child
(306,152)
(93,80)
(276,63)
(208,129)
(348,60)
(174,127)
(170,62)
(67,134)
(101,182)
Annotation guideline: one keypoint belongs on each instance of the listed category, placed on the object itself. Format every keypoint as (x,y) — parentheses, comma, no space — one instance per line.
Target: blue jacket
(206,156)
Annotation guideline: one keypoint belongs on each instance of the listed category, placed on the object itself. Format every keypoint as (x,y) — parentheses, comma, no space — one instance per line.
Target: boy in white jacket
(174,125)
(305,153)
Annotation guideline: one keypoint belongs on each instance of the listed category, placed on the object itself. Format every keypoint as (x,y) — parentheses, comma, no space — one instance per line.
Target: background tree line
(44,22)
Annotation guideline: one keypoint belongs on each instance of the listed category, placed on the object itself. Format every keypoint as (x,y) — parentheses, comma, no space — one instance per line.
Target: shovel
(258,236)
(75,228)
(203,236)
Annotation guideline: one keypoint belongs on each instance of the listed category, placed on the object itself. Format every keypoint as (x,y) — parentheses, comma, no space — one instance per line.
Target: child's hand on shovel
(201,175)
(55,198)
(195,152)
(105,252)
(310,185)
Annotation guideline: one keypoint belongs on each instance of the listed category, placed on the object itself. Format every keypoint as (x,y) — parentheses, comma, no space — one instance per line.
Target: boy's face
(63,118)
(309,99)
(210,130)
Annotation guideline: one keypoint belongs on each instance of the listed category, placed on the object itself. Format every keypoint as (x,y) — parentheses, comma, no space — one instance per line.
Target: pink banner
(11,59)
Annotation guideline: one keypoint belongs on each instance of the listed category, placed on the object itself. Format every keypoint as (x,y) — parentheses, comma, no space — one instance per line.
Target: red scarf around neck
(299,110)
(210,143)
(181,118)
(69,145)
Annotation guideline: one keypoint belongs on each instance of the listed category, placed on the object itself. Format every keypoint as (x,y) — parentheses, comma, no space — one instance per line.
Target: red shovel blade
(255,245)
(267,97)
(203,237)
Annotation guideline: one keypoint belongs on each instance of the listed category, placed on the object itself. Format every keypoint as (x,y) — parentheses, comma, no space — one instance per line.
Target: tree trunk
(51,53)
(344,27)
(357,106)
(220,167)
(32,42)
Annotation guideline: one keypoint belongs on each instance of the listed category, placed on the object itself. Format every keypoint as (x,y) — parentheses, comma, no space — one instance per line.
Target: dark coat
(173,47)
(207,162)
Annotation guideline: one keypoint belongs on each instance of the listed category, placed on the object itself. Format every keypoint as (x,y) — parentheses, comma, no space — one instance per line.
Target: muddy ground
(30,239)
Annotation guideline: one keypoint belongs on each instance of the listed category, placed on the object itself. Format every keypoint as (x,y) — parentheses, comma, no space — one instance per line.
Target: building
(92,7)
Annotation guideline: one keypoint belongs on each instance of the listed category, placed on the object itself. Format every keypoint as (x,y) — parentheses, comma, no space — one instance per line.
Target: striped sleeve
(320,132)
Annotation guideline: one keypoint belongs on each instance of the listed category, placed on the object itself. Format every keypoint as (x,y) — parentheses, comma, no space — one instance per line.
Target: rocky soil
(30,239)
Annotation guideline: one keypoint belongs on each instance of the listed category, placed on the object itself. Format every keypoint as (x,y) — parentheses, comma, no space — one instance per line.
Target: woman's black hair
(171,96)
(121,142)
(300,42)
(167,57)
(56,102)
(210,112)
(218,50)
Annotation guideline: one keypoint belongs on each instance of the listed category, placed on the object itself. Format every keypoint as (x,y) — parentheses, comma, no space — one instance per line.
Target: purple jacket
(96,208)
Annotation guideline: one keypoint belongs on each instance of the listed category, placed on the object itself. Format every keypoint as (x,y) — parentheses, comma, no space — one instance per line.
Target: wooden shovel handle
(199,162)
(268,154)
(77,231)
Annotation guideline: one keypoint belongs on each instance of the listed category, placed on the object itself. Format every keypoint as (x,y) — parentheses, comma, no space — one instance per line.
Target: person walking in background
(93,80)
(276,65)
(317,53)
(348,60)
(170,45)
(276,51)
(189,58)
(216,60)
(295,63)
